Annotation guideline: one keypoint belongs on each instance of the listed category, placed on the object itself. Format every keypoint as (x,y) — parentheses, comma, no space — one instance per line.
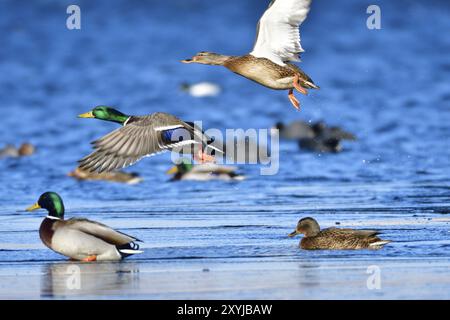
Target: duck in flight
(141,136)
(277,45)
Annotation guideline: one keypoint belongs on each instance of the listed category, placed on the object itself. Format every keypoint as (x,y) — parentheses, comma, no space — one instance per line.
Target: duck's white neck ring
(126,121)
(53,218)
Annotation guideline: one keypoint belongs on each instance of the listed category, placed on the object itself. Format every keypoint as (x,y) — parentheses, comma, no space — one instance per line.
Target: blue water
(390,87)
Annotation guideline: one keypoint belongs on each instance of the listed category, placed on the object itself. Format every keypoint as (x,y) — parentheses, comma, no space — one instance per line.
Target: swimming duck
(324,138)
(26,149)
(185,170)
(114,176)
(201,89)
(294,130)
(141,136)
(78,238)
(321,145)
(321,129)
(334,238)
(277,45)
(303,130)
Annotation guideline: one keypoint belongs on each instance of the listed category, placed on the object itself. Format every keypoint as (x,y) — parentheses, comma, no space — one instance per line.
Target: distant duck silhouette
(201,89)
(322,145)
(185,170)
(335,238)
(326,139)
(295,130)
(316,137)
(113,176)
(26,149)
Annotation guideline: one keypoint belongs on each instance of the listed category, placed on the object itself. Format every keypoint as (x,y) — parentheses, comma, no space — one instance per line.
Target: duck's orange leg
(90,258)
(203,157)
(293,99)
(297,85)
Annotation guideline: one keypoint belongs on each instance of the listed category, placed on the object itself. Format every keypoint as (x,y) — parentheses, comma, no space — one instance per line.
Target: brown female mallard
(26,149)
(334,238)
(78,238)
(114,176)
(277,44)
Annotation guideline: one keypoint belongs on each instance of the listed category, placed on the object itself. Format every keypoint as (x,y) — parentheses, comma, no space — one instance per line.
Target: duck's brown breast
(46,231)
(262,71)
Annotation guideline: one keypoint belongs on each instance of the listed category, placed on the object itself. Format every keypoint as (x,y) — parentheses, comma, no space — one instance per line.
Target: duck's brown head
(307,226)
(210,58)
(26,149)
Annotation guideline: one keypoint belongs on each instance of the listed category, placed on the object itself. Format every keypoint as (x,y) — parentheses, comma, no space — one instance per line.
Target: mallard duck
(141,136)
(334,238)
(186,170)
(78,238)
(115,176)
(321,145)
(26,149)
(324,138)
(321,129)
(302,130)
(201,89)
(294,130)
(277,45)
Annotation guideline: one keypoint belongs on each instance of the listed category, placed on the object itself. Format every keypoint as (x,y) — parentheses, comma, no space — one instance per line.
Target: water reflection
(71,279)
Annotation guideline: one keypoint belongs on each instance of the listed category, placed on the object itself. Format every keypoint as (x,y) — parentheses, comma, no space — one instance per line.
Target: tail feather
(379,243)
(128,249)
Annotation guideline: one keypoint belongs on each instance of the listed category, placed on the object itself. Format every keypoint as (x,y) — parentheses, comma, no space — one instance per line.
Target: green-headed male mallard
(277,45)
(186,170)
(334,238)
(78,238)
(141,136)
(114,176)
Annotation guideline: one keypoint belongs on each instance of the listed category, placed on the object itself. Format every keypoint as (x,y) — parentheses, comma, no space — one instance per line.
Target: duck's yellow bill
(172,170)
(86,115)
(33,207)
(293,234)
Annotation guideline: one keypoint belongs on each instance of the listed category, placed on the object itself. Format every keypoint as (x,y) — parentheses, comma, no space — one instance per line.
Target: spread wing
(277,34)
(100,231)
(140,137)
(353,232)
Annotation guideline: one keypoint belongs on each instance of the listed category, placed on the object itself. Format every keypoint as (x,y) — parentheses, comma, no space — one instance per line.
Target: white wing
(278,36)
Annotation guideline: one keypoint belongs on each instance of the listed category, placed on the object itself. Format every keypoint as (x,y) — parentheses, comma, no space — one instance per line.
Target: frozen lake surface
(229,240)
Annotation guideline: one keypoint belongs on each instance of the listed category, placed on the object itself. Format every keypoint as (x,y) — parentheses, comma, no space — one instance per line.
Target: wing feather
(100,231)
(140,137)
(278,36)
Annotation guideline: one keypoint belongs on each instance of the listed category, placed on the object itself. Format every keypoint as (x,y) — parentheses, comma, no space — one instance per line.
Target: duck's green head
(181,168)
(307,226)
(106,113)
(52,202)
